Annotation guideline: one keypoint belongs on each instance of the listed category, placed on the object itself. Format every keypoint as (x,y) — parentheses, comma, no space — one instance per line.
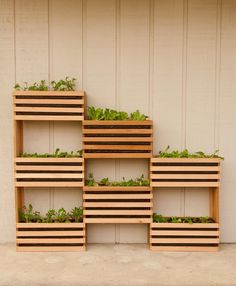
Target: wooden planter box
(49,105)
(184,236)
(50,236)
(49,172)
(117,139)
(117,204)
(185,172)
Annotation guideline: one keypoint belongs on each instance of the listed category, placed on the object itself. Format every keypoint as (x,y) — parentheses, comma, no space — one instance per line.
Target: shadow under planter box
(184,237)
(117,139)
(49,172)
(50,236)
(49,105)
(185,172)
(117,204)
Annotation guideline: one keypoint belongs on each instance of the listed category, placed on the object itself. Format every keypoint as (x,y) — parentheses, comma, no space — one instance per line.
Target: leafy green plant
(56,154)
(111,114)
(67,84)
(77,214)
(157,218)
(140,181)
(28,215)
(186,154)
(136,115)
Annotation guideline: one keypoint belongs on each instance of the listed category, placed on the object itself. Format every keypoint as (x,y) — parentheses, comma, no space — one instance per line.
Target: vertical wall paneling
(7,78)
(66,59)
(227,130)
(200,106)
(168,90)
(100,78)
(31,40)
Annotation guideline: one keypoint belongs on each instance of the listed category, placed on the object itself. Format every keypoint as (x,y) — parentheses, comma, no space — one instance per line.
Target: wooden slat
(51,225)
(117,139)
(48,93)
(184,184)
(50,248)
(49,109)
(117,212)
(185,176)
(48,176)
(49,101)
(117,131)
(49,184)
(117,196)
(175,240)
(48,168)
(184,232)
(49,117)
(184,248)
(49,240)
(117,147)
(117,155)
(117,188)
(184,225)
(51,233)
(185,168)
(117,204)
(48,160)
(117,122)
(117,220)
(185,160)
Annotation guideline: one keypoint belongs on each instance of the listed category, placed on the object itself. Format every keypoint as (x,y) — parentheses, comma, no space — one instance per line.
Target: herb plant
(140,181)
(111,114)
(67,84)
(28,215)
(174,219)
(186,154)
(56,154)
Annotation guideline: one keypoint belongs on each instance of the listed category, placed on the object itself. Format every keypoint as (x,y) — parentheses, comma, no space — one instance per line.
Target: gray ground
(120,264)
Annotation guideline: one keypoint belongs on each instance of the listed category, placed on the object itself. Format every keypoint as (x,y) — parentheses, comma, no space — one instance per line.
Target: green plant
(50,216)
(62,215)
(111,114)
(136,115)
(77,214)
(157,218)
(186,154)
(27,214)
(56,154)
(66,84)
(140,181)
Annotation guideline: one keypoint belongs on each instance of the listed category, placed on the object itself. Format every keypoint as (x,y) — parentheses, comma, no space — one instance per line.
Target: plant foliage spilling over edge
(157,218)
(56,154)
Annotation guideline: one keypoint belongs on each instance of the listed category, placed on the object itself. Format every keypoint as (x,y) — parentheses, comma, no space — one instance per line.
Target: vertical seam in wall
(14,29)
(217,73)
(151,57)
(50,73)
(117,92)
(184,92)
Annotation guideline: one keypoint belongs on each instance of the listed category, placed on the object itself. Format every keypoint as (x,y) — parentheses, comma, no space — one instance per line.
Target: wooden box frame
(184,237)
(50,236)
(117,204)
(49,105)
(117,139)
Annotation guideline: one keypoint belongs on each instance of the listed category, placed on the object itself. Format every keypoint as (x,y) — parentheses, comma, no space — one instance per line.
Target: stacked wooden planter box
(107,204)
(47,172)
(190,173)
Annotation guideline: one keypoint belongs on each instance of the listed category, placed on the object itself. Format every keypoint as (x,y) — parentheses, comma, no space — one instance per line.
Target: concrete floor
(117,265)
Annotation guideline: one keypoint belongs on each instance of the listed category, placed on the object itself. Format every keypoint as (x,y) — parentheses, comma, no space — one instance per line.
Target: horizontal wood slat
(117,204)
(50,236)
(117,139)
(185,172)
(49,172)
(49,105)
(184,236)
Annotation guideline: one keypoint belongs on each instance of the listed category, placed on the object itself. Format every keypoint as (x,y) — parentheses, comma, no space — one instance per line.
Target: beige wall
(175,60)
